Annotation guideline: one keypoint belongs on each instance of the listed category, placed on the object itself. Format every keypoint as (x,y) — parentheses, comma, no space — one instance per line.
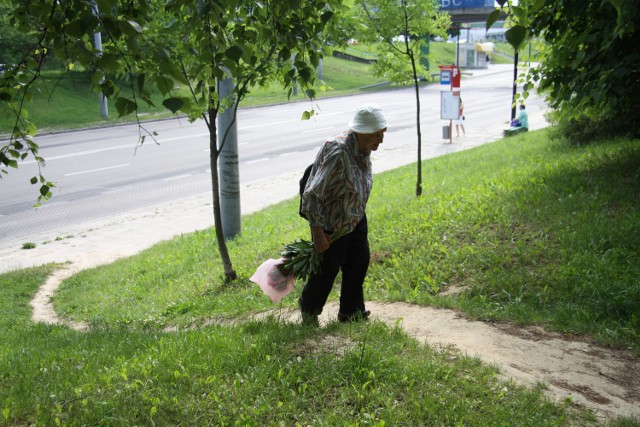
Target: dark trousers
(350,253)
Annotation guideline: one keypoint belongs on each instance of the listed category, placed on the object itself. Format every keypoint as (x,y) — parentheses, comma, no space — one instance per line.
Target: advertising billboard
(465,4)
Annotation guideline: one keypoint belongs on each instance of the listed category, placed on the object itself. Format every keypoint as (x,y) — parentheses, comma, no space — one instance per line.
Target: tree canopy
(590,64)
(170,45)
(590,67)
(159,43)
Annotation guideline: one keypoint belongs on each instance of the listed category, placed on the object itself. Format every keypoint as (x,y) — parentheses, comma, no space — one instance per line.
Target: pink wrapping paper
(272,282)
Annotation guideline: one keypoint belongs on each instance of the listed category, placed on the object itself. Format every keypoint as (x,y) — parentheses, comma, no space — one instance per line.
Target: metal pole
(295,84)
(97,41)
(451,121)
(228,169)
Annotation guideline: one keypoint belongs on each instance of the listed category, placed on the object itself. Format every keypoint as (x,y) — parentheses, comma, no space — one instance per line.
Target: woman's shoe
(354,317)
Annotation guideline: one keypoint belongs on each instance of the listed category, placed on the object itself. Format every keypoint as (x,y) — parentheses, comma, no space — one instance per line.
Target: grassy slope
(524,229)
(56,104)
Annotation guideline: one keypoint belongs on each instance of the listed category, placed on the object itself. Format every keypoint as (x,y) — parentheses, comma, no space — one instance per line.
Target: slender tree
(398,29)
(180,44)
(518,33)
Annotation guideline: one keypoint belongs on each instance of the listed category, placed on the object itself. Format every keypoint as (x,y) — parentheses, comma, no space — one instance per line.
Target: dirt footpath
(604,380)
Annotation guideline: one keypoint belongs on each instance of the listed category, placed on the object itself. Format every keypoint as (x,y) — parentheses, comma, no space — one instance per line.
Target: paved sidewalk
(94,243)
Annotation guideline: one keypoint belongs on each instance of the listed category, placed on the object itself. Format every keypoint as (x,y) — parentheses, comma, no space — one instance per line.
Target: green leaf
(234,52)
(520,13)
(516,36)
(107,88)
(109,62)
(97,77)
(492,18)
(31,129)
(173,104)
(74,28)
(164,84)
(125,106)
(305,74)
(44,190)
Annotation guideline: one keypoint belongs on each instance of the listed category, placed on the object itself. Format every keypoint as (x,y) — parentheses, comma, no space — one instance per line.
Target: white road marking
(173,178)
(264,159)
(82,153)
(96,170)
(178,138)
(318,129)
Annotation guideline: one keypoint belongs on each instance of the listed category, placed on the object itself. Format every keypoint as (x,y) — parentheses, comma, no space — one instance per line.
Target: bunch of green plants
(300,258)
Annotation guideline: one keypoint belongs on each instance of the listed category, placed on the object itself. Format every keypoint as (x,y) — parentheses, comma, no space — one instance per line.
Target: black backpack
(303,184)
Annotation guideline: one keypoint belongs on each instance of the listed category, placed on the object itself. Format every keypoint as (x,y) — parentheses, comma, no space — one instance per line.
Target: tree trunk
(515,85)
(417,88)
(229,272)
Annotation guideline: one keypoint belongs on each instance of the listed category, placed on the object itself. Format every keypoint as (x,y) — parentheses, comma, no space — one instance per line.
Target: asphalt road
(104,172)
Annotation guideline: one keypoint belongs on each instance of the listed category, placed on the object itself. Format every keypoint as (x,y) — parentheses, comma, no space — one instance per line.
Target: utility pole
(97,42)
(228,165)
(295,84)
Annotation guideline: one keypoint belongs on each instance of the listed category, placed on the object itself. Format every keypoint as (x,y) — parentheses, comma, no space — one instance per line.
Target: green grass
(524,230)
(255,374)
(504,53)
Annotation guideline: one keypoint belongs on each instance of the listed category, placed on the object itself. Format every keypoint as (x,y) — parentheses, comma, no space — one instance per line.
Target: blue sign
(466,4)
(445,77)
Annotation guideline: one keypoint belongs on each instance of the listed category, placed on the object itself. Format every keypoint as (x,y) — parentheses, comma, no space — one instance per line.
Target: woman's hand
(320,239)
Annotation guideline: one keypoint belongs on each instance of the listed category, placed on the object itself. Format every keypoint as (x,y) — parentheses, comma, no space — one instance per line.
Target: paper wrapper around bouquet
(271,280)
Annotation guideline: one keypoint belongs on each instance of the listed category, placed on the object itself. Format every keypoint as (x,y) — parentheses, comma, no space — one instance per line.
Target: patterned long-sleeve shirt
(338,188)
